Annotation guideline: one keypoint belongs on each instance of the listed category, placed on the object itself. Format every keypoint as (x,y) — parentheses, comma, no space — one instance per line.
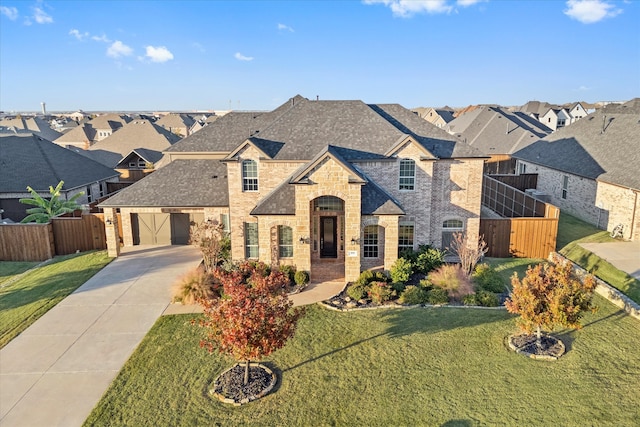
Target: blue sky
(254,55)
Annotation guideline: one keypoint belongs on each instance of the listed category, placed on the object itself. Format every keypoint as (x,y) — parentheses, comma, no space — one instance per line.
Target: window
(285,241)
(405,237)
(328,203)
(251,240)
(370,241)
(249,175)
(522,168)
(224,220)
(89,198)
(407,174)
(565,186)
(450,228)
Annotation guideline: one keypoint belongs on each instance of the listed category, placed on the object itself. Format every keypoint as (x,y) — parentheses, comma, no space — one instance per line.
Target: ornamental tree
(550,295)
(45,209)
(213,242)
(468,251)
(253,318)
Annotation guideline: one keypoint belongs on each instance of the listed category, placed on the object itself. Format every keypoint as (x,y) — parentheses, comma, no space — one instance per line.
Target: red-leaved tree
(253,318)
(549,295)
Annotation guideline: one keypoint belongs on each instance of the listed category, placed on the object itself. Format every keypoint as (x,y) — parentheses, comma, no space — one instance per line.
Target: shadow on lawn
(457,423)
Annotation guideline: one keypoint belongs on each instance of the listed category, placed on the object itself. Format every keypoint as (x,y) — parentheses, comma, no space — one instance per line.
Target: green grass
(27,299)
(9,269)
(572,232)
(400,367)
(507,266)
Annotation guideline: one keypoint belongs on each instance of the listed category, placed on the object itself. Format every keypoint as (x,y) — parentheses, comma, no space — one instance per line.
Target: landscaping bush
(401,271)
(380,292)
(369,276)
(482,298)
(428,259)
(488,279)
(398,287)
(413,295)
(194,285)
(451,278)
(301,278)
(437,296)
(357,291)
(290,272)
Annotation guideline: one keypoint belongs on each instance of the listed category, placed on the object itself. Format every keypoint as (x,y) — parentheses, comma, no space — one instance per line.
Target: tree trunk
(246,373)
(538,337)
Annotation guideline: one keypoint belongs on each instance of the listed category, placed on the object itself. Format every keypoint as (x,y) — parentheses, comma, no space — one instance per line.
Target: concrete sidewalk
(55,372)
(624,256)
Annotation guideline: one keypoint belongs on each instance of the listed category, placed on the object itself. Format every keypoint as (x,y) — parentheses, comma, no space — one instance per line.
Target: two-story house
(312,184)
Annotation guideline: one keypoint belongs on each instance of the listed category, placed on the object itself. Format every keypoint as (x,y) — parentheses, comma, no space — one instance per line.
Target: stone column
(111,231)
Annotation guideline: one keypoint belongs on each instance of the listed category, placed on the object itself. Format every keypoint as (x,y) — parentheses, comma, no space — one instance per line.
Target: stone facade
(599,203)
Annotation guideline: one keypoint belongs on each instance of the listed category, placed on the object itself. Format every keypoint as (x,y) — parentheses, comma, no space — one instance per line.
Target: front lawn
(27,299)
(401,367)
(507,266)
(10,269)
(572,232)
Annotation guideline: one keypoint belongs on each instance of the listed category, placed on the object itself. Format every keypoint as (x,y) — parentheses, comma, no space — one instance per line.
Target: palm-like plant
(45,209)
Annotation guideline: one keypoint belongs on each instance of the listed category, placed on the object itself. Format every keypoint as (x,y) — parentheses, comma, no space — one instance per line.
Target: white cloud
(9,12)
(590,11)
(408,8)
(466,3)
(283,27)
(77,34)
(159,54)
(41,17)
(241,57)
(103,38)
(583,88)
(118,49)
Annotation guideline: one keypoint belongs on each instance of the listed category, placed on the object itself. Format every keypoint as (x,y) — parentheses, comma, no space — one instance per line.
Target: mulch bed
(230,388)
(551,349)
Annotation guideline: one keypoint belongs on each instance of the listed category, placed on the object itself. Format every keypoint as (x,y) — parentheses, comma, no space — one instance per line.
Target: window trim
(410,180)
(249,182)
(285,250)
(370,241)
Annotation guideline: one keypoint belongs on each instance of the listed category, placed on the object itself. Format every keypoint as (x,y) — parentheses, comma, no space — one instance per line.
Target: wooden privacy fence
(530,228)
(39,242)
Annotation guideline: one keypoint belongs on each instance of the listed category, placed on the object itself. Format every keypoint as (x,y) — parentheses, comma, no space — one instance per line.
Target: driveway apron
(55,372)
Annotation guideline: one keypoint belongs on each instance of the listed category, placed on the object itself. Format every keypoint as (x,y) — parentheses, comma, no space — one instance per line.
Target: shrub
(401,271)
(437,296)
(426,284)
(487,299)
(301,277)
(413,295)
(380,292)
(369,276)
(195,285)
(470,299)
(452,278)
(398,287)
(488,279)
(357,291)
(290,272)
(428,259)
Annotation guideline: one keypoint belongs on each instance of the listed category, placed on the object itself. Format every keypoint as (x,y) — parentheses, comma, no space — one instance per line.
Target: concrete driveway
(624,256)
(55,372)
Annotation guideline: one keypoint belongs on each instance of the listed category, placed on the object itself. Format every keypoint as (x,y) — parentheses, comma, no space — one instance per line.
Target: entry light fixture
(109,221)
(304,240)
(355,240)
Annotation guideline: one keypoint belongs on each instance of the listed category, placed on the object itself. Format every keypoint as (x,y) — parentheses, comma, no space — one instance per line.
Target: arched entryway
(327,238)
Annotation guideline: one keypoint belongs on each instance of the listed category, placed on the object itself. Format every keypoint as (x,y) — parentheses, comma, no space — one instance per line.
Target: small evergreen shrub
(380,292)
(470,300)
(357,291)
(428,259)
(401,271)
(369,276)
(487,299)
(413,295)
(437,296)
(398,287)
(290,272)
(488,279)
(301,277)
(426,284)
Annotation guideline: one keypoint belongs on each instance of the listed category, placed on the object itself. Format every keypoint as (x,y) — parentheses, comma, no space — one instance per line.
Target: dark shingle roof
(38,163)
(493,130)
(376,201)
(150,156)
(181,183)
(604,146)
(281,201)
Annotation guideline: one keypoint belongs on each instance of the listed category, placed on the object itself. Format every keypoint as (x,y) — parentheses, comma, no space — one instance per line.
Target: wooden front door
(328,237)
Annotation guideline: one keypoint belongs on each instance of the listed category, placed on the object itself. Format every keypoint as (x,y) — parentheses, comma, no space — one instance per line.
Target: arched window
(249,175)
(370,241)
(407,178)
(285,241)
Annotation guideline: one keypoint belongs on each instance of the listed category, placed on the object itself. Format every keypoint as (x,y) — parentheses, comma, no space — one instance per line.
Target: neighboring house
(28,160)
(498,134)
(197,125)
(339,185)
(92,131)
(77,116)
(36,125)
(180,124)
(438,117)
(577,111)
(555,118)
(590,169)
(135,165)
(138,134)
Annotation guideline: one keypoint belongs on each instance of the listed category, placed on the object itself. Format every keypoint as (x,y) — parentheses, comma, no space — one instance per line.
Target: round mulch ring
(229,387)
(551,349)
